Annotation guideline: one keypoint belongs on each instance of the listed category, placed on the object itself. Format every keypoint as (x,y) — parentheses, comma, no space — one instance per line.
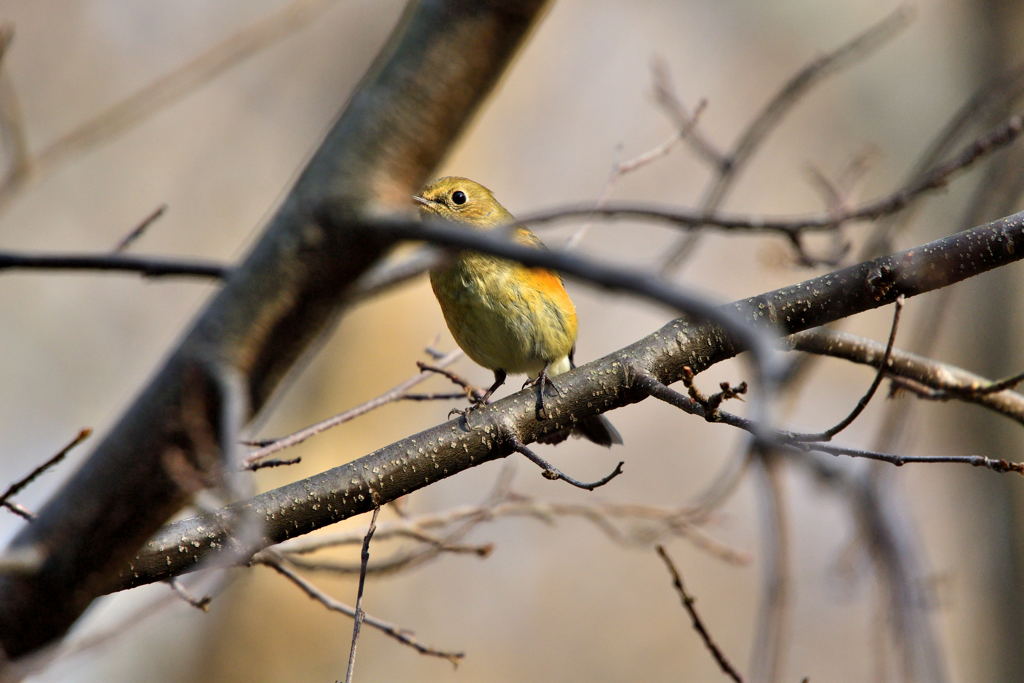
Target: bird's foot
(475,404)
(543,382)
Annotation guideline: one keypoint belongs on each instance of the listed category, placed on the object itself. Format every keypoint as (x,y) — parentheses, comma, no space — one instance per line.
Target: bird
(507,317)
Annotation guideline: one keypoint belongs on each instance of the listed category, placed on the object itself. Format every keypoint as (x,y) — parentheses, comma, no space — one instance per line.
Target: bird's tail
(595,428)
(598,429)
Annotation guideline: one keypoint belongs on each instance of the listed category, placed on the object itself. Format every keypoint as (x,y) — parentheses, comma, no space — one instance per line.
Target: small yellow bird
(507,317)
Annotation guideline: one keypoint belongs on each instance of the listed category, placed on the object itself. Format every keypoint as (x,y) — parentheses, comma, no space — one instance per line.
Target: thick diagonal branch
(444,450)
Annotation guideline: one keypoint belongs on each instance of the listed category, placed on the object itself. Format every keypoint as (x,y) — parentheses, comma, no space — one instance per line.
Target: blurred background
(558,601)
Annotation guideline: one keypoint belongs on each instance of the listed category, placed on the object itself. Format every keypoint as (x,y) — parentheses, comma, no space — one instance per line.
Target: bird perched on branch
(507,317)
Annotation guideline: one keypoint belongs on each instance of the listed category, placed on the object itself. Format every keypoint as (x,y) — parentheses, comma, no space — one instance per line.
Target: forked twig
(17,486)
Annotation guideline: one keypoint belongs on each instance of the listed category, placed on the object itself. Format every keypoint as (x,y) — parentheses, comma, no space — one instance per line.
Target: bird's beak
(421,200)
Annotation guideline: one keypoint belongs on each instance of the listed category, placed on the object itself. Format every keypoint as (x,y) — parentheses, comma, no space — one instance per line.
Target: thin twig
(553,473)
(698,624)
(620,169)
(788,440)
(148,266)
(17,486)
(869,394)
(666,521)
(268,447)
(772,625)
(889,204)
(137,231)
(398,633)
(469,389)
(357,622)
(202,604)
(996,95)
(273,462)
(667,98)
(775,110)
(928,378)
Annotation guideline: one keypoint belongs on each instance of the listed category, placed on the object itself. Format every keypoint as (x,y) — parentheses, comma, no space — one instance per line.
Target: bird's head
(463,201)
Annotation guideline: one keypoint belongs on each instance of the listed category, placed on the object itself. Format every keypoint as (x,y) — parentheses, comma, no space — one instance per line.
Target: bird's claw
(474,405)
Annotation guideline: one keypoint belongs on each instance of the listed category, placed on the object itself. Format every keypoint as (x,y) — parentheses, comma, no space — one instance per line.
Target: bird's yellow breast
(506,316)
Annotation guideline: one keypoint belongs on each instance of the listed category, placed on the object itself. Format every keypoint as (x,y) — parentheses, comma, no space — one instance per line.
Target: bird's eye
(458,197)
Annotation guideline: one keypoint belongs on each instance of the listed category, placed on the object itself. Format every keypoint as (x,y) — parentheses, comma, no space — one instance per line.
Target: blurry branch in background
(387,276)
(698,623)
(13,489)
(278,301)
(151,99)
(989,102)
(794,226)
(621,378)
(771,635)
(727,167)
(620,169)
(12,130)
(627,524)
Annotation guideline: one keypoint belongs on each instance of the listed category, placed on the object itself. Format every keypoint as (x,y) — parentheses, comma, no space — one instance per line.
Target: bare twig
(869,394)
(662,522)
(932,379)
(148,266)
(398,633)
(994,96)
(553,473)
(268,447)
(682,132)
(751,139)
(12,125)
(137,231)
(896,201)
(202,604)
(667,98)
(469,390)
(357,621)
(772,622)
(620,169)
(787,440)
(272,462)
(17,486)
(711,403)
(698,624)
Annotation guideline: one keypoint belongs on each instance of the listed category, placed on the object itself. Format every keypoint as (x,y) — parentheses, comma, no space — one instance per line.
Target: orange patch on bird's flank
(546,281)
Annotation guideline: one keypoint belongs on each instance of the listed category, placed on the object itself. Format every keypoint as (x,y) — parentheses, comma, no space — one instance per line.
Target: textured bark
(606,383)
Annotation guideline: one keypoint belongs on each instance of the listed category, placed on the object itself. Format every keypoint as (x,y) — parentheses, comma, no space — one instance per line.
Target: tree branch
(951,382)
(615,380)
